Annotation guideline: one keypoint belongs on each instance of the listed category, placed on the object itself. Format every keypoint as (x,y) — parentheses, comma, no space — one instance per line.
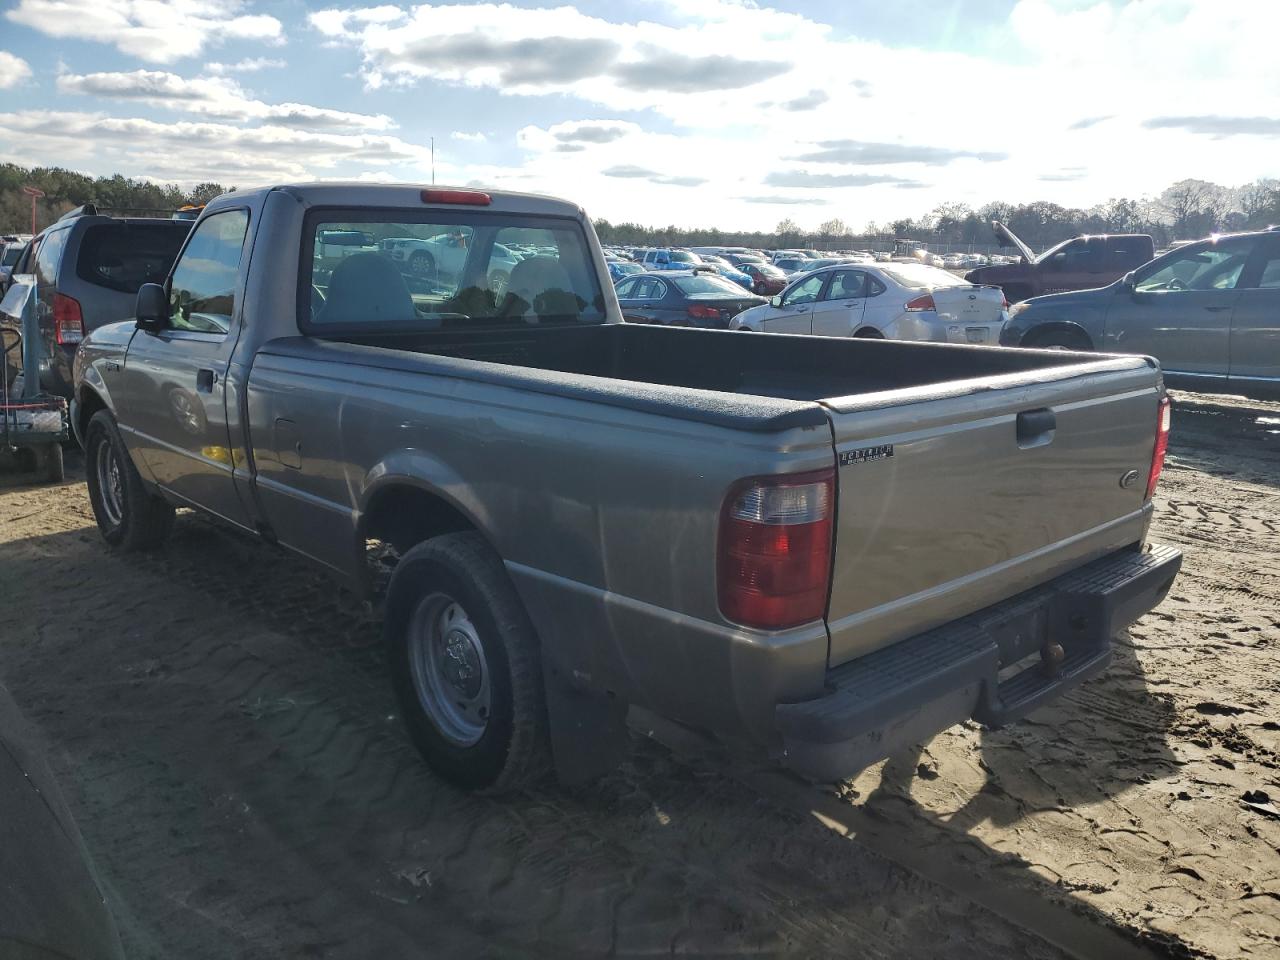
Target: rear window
(456,269)
(124,256)
(922,275)
(705,284)
(11,253)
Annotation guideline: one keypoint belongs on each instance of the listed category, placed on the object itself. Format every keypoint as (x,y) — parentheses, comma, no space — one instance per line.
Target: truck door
(1179,310)
(1077,266)
(839,312)
(174,408)
(1255,323)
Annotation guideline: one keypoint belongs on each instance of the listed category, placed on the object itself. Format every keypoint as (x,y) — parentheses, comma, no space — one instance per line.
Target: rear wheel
(422,264)
(129,516)
(868,333)
(466,666)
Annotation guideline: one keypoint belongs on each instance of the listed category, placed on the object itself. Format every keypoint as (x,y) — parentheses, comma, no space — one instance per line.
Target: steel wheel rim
(110,484)
(450,672)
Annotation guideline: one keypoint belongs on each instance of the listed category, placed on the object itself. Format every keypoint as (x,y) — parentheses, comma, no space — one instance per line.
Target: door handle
(1218,309)
(205,379)
(1035,427)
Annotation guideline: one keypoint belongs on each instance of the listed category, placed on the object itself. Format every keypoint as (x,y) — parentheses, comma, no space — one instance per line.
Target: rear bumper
(904,694)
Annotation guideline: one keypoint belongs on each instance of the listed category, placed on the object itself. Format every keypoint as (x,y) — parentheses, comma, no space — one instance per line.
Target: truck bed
(774,366)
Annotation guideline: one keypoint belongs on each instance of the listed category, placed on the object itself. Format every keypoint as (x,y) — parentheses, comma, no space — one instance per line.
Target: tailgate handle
(1035,427)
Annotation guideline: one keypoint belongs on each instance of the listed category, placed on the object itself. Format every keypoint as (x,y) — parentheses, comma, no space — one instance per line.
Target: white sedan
(897,301)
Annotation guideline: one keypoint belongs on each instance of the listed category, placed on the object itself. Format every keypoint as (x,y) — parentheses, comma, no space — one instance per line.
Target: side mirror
(1129,281)
(776,300)
(152,310)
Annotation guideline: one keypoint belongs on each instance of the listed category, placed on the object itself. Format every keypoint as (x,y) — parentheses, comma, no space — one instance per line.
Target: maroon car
(1081,263)
(766,279)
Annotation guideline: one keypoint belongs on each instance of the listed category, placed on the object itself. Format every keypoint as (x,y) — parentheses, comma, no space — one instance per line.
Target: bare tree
(835,227)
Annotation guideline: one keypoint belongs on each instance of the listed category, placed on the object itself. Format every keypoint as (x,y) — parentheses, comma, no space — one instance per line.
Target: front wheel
(129,516)
(466,666)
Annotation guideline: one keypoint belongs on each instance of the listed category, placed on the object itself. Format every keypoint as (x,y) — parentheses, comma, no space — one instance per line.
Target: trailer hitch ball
(1051,657)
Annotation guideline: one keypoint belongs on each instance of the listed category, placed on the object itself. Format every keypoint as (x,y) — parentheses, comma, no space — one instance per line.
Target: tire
(868,333)
(129,516)
(1058,340)
(421,263)
(52,466)
(466,666)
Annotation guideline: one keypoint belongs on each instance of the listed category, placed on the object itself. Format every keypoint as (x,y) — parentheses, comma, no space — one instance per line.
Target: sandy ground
(220,722)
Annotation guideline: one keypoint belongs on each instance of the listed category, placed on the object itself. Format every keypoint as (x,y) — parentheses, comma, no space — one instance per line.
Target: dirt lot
(220,723)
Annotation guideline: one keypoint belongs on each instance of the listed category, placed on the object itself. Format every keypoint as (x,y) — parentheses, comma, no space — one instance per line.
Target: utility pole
(433,161)
(33,193)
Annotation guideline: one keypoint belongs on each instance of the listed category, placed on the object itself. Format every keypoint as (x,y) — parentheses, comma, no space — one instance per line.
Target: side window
(203,289)
(874,287)
(1202,267)
(627,289)
(806,291)
(47,257)
(1269,269)
(1079,256)
(847,285)
(656,290)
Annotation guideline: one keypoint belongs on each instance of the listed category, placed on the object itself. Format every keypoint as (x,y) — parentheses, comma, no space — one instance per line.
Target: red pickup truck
(1080,263)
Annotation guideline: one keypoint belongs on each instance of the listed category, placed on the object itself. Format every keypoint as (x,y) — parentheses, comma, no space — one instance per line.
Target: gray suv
(1209,311)
(88,269)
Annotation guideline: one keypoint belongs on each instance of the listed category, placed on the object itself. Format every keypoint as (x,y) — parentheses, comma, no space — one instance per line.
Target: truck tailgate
(951,498)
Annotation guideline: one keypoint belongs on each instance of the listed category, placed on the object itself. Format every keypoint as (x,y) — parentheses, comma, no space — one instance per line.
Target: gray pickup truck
(829,549)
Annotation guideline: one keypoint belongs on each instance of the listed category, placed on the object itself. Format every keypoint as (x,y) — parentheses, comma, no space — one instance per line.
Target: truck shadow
(1099,741)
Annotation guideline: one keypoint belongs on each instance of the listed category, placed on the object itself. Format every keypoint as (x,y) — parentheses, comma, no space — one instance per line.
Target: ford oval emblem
(973,296)
(1129,479)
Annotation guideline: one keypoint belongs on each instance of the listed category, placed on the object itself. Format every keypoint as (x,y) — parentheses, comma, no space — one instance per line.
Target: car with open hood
(1080,263)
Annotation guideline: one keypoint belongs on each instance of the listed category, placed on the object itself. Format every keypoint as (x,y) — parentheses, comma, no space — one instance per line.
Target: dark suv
(88,269)
(1080,263)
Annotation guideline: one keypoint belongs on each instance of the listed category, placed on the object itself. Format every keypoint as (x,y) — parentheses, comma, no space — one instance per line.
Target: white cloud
(214,96)
(158,32)
(189,152)
(247,65)
(464,136)
(13,70)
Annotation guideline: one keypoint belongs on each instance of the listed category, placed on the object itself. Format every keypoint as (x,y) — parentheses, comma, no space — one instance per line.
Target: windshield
(447,270)
(683,256)
(1052,250)
(707,285)
(921,275)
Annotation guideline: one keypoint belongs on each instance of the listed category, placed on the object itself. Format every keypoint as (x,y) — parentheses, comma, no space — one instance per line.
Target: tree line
(1186,210)
(65,190)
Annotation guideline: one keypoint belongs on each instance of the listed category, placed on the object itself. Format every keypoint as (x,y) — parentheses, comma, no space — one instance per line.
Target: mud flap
(588,728)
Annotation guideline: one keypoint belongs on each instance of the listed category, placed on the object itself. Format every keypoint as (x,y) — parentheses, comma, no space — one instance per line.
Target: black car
(680,298)
(88,269)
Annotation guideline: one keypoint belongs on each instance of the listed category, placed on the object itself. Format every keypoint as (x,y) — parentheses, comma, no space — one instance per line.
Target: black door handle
(1035,427)
(205,379)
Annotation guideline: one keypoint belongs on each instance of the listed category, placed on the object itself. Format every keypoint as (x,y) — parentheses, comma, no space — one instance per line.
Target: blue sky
(721,112)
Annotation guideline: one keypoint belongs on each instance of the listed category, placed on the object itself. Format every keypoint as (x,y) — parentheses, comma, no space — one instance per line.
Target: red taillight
(68,321)
(1004,301)
(700,312)
(773,566)
(922,303)
(468,198)
(1163,420)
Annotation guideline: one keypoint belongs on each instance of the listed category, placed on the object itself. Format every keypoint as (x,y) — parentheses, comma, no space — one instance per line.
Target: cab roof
(360,194)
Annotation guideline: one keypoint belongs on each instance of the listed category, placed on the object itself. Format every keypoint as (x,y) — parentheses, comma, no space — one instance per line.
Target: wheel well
(403,516)
(90,403)
(1055,333)
(868,333)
